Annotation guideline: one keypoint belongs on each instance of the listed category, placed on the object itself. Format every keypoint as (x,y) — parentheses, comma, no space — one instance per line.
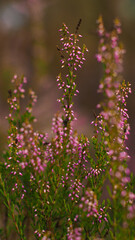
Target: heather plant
(53,188)
(113,122)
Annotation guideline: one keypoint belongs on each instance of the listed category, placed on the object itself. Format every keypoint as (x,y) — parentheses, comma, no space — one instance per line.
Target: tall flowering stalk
(72,58)
(113,122)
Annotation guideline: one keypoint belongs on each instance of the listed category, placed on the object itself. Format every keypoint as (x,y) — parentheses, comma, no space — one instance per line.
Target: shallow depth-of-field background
(28,39)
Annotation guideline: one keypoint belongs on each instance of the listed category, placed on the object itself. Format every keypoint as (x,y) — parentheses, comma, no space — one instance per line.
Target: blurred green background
(28,39)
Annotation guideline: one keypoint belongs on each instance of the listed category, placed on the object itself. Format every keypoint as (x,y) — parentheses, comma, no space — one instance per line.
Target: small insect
(58,48)
(10,93)
(125,129)
(62,56)
(65,121)
(78,25)
(46,143)
(94,113)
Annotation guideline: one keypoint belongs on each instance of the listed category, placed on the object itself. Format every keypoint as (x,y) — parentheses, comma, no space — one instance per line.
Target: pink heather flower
(123,193)
(109,93)
(105,115)
(118,174)
(105,219)
(127,171)
(103,48)
(132,196)
(99,57)
(110,152)
(123,155)
(120,141)
(107,70)
(101,86)
(25,80)
(117,55)
(108,80)
(90,203)
(74,234)
(110,104)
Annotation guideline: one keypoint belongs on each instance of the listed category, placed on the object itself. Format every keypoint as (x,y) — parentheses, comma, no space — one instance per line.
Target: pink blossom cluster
(75,189)
(18,91)
(28,146)
(72,57)
(74,234)
(89,203)
(41,234)
(77,151)
(26,141)
(33,100)
(69,90)
(69,46)
(113,118)
(94,172)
